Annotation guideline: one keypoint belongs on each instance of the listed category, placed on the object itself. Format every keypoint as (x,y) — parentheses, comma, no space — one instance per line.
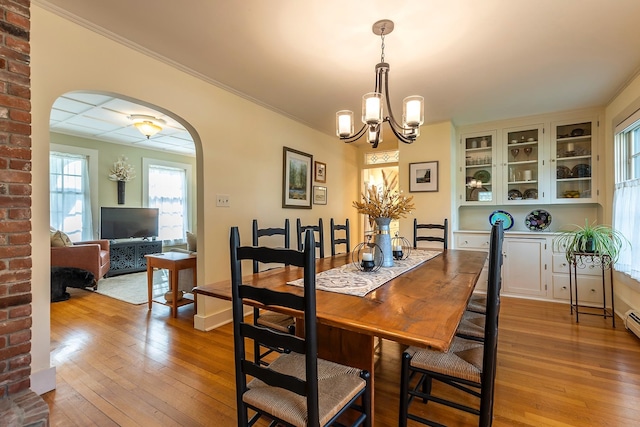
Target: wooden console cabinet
(129,256)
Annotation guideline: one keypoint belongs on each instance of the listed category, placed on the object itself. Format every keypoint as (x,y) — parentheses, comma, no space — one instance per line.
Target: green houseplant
(598,239)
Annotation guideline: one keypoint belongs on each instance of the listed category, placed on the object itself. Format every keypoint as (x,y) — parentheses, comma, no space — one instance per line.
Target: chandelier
(147,125)
(372,106)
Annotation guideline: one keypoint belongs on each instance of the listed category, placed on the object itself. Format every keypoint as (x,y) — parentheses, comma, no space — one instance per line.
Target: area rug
(132,288)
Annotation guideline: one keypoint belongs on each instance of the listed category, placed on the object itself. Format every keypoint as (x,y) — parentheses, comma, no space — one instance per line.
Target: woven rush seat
(478,304)
(277,321)
(463,360)
(472,326)
(337,385)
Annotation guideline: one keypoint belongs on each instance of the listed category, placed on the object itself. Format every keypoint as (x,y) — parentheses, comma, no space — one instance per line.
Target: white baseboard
(215,320)
(44,380)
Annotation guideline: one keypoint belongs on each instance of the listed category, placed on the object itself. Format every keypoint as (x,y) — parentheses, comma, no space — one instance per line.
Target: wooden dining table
(421,307)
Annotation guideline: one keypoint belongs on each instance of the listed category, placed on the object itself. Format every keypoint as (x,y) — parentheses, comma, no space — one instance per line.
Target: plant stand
(581,260)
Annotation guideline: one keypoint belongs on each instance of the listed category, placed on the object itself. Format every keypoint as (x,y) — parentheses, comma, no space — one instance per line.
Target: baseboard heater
(632,321)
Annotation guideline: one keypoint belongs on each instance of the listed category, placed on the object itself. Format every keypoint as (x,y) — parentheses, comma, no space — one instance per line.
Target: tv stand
(129,256)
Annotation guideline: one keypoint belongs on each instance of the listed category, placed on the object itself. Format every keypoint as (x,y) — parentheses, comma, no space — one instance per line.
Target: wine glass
(515,152)
(528,151)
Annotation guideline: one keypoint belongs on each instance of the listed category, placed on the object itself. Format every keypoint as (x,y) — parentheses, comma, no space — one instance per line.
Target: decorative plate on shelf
(504,216)
(531,193)
(514,194)
(563,172)
(581,171)
(473,195)
(537,220)
(482,175)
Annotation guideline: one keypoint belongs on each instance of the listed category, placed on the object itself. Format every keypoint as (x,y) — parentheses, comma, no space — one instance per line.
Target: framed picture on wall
(423,176)
(319,195)
(296,179)
(320,172)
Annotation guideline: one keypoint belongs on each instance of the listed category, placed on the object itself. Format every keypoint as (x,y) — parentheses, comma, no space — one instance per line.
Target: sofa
(92,256)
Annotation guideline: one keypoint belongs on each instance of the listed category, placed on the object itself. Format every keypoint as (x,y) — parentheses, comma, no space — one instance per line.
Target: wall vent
(632,321)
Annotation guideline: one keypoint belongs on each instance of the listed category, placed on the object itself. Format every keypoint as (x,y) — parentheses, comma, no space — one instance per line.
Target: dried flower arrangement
(122,171)
(386,202)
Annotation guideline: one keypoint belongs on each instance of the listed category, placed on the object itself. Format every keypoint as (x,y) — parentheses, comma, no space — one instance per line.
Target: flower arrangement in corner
(122,171)
(384,202)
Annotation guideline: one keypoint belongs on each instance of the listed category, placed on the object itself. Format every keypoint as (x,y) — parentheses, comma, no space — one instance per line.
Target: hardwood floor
(119,364)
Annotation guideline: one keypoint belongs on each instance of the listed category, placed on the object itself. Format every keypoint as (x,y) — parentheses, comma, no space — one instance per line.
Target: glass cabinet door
(479,151)
(522,165)
(573,147)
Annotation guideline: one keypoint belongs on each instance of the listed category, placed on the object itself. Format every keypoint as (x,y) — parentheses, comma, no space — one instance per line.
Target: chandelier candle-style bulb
(374,135)
(344,123)
(413,112)
(372,108)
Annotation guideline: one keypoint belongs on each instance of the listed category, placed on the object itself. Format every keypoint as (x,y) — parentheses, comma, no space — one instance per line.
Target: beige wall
(628,101)
(436,142)
(239,150)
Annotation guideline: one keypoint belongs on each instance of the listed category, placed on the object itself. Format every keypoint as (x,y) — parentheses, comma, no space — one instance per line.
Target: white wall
(239,150)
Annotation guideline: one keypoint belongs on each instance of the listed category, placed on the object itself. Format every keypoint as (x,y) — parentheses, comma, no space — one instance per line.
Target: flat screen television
(124,223)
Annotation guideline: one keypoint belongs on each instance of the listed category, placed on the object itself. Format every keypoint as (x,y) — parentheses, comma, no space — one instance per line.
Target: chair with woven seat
(436,236)
(319,242)
(270,319)
(297,388)
(346,240)
(468,365)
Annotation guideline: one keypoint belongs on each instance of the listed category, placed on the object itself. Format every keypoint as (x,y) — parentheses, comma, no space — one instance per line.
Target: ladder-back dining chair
(267,318)
(297,388)
(431,236)
(468,365)
(319,229)
(345,240)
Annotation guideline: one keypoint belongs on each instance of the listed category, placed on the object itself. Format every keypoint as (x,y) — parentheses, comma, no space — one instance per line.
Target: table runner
(348,279)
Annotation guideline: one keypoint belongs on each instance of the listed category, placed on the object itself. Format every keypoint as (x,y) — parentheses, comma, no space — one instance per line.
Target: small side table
(580,260)
(174,262)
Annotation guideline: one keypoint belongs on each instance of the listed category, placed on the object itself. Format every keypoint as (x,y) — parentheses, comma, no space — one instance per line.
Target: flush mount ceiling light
(372,106)
(147,125)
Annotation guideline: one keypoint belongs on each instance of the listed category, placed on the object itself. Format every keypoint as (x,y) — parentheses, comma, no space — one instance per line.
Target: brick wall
(15,199)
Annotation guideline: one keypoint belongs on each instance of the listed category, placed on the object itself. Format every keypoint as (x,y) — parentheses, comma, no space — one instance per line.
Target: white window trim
(92,156)
(147,162)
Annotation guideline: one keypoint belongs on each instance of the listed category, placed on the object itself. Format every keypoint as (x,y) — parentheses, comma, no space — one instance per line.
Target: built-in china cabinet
(538,175)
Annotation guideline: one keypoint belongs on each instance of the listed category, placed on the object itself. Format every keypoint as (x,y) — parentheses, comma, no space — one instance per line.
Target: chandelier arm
(356,136)
(397,133)
(392,120)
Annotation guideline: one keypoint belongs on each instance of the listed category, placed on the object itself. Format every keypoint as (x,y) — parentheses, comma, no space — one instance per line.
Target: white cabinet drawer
(560,264)
(589,289)
(474,241)
(585,266)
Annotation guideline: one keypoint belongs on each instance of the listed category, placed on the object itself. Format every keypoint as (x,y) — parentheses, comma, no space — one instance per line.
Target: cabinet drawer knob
(593,291)
(564,288)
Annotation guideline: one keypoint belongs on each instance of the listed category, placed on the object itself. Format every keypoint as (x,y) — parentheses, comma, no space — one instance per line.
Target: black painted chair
(346,240)
(419,236)
(267,318)
(297,388)
(319,229)
(469,365)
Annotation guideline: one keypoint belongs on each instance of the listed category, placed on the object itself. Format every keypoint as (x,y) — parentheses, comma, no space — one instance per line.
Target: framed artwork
(320,172)
(423,176)
(319,195)
(296,179)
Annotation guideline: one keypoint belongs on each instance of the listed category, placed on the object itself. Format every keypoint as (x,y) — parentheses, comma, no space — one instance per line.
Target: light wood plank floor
(119,364)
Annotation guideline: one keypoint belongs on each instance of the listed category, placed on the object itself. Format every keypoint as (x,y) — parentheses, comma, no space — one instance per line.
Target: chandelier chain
(382,46)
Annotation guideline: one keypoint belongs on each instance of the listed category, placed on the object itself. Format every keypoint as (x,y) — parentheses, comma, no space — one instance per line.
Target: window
(167,188)
(626,197)
(70,195)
